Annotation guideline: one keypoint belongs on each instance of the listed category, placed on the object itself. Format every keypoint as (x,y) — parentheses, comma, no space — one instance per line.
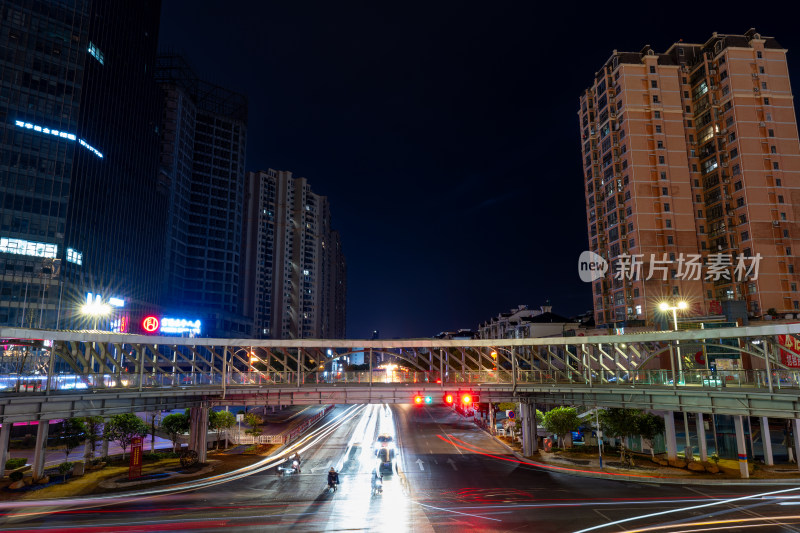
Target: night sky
(444,133)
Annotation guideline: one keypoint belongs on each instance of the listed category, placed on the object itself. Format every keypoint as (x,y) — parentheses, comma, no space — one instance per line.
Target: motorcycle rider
(333,478)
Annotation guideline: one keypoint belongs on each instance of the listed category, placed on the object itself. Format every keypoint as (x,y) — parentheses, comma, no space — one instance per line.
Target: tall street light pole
(664,307)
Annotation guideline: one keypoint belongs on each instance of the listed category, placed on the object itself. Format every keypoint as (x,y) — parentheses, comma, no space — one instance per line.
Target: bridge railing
(781,379)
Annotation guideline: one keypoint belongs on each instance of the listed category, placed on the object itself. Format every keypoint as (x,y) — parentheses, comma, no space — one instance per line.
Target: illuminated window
(74,256)
(96,53)
(23,247)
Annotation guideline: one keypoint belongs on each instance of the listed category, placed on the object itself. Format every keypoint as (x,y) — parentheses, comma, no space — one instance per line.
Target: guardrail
(285,437)
(780,379)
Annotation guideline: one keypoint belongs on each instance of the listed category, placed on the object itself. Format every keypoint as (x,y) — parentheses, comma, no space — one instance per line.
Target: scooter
(332,487)
(294,469)
(377,487)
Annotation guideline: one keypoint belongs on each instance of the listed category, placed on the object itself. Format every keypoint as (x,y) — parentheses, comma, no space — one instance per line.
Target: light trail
(46,506)
(736,521)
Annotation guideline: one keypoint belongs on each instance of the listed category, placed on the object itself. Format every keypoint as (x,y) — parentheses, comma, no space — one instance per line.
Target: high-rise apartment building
(203,166)
(294,271)
(690,152)
(82,207)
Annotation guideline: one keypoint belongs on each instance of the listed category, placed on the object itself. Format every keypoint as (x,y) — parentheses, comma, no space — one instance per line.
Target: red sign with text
(135,468)
(790,350)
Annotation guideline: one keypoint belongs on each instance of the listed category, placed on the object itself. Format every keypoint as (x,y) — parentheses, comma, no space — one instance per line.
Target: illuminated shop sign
(150,324)
(179,326)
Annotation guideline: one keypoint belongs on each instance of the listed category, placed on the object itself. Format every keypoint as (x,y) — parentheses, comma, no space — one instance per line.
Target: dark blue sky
(444,133)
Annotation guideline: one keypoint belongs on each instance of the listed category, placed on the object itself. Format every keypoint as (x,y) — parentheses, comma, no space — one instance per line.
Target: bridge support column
(669,435)
(42,429)
(527,429)
(741,447)
(767,441)
(796,433)
(5,433)
(491,419)
(198,431)
(701,437)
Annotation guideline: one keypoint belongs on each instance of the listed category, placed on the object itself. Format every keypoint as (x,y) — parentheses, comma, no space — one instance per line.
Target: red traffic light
(448,399)
(466,399)
(418,399)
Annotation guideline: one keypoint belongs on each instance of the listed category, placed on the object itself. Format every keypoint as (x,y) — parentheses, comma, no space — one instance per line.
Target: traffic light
(448,398)
(419,399)
(466,399)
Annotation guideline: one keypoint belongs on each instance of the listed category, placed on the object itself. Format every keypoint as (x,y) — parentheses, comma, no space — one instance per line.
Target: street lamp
(95,309)
(665,307)
(682,305)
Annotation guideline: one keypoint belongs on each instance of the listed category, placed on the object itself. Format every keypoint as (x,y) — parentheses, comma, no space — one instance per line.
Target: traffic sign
(511,414)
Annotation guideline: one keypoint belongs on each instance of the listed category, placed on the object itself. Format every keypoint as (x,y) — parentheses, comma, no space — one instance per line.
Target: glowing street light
(665,307)
(95,309)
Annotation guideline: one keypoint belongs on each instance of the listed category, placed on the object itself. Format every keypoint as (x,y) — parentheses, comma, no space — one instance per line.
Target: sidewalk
(587,463)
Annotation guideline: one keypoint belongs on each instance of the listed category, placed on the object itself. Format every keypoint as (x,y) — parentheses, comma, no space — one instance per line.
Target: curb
(635,479)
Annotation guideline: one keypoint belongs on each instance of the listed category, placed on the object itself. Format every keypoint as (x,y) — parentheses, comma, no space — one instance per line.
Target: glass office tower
(82,208)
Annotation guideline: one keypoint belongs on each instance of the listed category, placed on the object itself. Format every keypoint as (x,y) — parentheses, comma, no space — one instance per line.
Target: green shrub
(158,456)
(15,476)
(65,467)
(15,462)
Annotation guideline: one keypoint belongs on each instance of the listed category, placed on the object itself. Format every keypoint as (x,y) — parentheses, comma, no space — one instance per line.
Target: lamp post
(665,307)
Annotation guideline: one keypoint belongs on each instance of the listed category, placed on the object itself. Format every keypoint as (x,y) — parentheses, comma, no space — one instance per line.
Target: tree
(175,425)
(218,420)
(70,435)
(561,421)
(122,429)
(650,425)
(94,431)
(620,423)
(253,420)
(626,423)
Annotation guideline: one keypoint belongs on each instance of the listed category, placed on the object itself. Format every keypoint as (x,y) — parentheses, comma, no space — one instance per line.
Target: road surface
(447,476)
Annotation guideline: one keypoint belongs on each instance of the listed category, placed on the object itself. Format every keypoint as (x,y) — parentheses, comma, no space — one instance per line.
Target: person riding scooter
(333,478)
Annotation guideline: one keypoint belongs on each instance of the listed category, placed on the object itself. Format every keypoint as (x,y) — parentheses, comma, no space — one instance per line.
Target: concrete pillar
(198,431)
(42,429)
(5,433)
(527,449)
(701,437)
(491,418)
(669,435)
(767,441)
(104,448)
(534,429)
(741,447)
(796,434)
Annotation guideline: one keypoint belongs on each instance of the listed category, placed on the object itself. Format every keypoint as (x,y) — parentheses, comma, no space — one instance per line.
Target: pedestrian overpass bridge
(58,374)
(47,375)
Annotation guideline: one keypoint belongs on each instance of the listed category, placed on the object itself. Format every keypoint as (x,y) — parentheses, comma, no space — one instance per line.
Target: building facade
(294,271)
(81,201)
(202,164)
(692,171)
